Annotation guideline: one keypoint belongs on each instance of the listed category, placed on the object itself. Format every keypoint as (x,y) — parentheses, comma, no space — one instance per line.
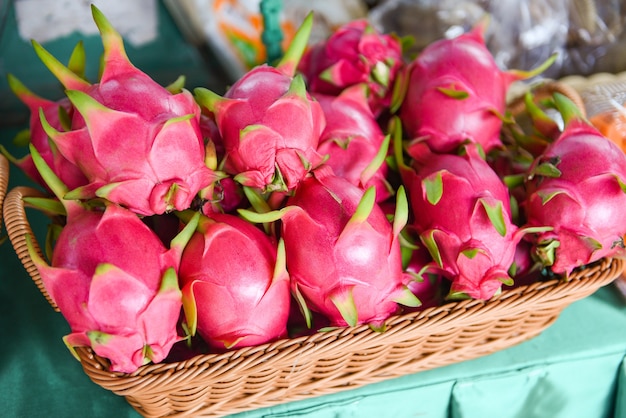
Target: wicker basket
(4,181)
(291,369)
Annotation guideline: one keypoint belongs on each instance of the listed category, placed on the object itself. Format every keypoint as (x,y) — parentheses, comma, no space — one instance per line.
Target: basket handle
(18,227)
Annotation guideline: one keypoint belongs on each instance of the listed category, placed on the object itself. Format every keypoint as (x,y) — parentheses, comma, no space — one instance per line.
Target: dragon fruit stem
(523,75)
(289,62)
(568,110)
(208,99)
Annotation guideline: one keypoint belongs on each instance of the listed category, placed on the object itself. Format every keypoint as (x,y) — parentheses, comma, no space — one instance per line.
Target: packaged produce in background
(234,29)
(587,35)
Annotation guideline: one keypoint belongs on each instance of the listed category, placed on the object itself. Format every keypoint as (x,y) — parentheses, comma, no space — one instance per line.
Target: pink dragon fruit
(129,135)
(68,172)
(343,255)
(462,213)
(114,281)
(456,94)
(353,140)
(235,285)
(264,148)
(355,53)
(578,187)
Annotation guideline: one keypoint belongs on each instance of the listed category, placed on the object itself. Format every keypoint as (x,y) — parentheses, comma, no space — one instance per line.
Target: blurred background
(212,42)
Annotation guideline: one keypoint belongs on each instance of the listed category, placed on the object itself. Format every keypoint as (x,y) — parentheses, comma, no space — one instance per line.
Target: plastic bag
(587,35)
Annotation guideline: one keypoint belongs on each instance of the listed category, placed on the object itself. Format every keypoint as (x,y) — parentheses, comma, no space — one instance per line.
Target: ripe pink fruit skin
(350,56)
(258,138)
(327,257)
(129,135)
(107,276)
(587,203)
(458,222)
(227,274)
(352,138)
(442,122)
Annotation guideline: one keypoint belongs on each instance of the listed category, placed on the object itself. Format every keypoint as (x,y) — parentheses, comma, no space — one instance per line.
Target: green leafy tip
(344,302)
(566,107)
(54,183)
(407,298)
(433,187)
(111,39)
(428,239)
(67,77)
(78,60)
(289,62)
(521,75)
(454,93)
(495,212)
(208,99)
(365,206)
(304,309)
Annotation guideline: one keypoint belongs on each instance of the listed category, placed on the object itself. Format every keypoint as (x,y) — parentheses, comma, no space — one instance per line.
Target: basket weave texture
(328,362)
(4,181)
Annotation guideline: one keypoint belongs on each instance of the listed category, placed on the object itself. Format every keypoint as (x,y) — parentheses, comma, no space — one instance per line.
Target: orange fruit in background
(612,124)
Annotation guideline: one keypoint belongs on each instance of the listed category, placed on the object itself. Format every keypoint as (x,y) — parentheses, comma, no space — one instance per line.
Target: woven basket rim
(4,181)
(429,317)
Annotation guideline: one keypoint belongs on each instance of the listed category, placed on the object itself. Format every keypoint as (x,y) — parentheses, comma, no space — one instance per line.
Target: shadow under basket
(328,362)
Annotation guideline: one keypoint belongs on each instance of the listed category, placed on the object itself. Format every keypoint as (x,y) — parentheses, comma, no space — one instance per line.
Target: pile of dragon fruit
(338,187)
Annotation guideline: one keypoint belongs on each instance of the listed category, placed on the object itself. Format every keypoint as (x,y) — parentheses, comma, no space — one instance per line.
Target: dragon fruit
(69,173)
(353,140)
(235,285)
(577,187)
(263,148)
(113,280)
(456,94)
(355,53)
(129,134)
(462,212)
(343,255)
